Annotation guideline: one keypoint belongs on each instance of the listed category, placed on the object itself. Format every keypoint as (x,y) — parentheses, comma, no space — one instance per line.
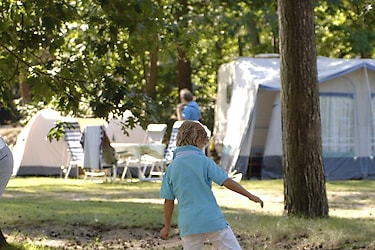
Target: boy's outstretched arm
(168,211)
(238,188)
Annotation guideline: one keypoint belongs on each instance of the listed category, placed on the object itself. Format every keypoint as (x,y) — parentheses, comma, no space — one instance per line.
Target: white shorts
(221,240)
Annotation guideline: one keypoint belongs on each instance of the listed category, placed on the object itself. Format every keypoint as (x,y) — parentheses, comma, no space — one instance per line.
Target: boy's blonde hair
(189,133)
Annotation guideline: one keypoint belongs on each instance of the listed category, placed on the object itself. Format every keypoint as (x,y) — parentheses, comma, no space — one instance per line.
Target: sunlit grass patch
(59,211)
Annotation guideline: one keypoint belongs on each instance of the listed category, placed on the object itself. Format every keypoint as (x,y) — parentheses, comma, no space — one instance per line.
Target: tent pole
(365,172)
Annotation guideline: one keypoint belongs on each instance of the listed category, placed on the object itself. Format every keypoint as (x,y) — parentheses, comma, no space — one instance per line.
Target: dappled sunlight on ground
(273,203)
(351,204)
(341,204)
(96,234)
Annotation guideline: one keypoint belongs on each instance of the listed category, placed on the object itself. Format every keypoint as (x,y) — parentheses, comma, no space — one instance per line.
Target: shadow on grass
(81,215)
(13,247)
(119,225)
(257,230)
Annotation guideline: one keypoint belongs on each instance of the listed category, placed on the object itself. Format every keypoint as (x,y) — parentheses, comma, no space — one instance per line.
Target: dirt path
(79,237)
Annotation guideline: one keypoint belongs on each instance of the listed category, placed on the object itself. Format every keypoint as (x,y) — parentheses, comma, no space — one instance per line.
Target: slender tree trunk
(3,241)
(24,87)
(304,180)
(151,85)
(183,63)
(183,71)
(240,46)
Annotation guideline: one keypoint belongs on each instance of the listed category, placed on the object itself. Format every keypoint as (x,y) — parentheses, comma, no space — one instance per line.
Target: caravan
(247,130)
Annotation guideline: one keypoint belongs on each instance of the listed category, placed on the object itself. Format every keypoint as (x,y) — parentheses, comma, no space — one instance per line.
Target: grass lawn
(53,213)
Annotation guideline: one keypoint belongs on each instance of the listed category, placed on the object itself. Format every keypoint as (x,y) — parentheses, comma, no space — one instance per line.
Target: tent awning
(265,72)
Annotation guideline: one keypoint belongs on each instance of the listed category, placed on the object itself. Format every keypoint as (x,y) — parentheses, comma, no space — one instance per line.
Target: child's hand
(164,232)
(257,200)
(261,203)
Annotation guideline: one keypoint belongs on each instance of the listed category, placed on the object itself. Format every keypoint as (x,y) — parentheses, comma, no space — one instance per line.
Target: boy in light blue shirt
(189,179)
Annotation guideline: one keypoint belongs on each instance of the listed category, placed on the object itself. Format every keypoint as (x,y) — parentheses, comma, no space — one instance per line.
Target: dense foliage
(93,57)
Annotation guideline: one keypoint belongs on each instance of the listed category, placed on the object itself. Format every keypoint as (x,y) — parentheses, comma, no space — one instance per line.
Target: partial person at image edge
(189,179)
(6,170)
(6,165)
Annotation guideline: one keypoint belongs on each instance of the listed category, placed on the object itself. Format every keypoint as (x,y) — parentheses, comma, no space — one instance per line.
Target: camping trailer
(247,129)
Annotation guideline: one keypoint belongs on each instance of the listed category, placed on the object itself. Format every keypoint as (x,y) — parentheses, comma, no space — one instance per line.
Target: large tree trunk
(304,180)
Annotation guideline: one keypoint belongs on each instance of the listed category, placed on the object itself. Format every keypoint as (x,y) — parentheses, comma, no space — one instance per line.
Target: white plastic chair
(155,133)
(150,164)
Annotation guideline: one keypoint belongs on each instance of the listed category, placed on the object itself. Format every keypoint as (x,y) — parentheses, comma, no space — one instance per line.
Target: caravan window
(337,117)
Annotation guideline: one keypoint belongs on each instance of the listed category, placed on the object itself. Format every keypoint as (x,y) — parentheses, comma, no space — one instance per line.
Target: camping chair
(157,167)
(155,133)
(123,160)
(149,158)
(155,163)
(108,158)
(152,164)
(72,137)
(173,140)
(98,154)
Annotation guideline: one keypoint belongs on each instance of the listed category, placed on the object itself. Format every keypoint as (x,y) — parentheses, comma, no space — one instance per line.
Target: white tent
(248,116)
(116,134)
(33,153)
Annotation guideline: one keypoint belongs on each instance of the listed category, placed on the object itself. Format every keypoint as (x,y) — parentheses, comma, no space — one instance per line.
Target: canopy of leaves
(92,57)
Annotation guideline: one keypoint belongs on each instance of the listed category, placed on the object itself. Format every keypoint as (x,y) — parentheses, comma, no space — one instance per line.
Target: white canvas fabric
(33,153)
(117,135)
(248,119)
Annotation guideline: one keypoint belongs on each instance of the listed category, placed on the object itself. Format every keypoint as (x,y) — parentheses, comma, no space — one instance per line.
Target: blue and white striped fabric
(73,137)
(173,140)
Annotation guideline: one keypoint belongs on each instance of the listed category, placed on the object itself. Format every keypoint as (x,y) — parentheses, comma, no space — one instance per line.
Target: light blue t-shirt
(188,179)
(191,111)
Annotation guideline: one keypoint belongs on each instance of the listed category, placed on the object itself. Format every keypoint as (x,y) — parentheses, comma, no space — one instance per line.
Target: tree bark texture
(304,180)
(183,62)
(183,70)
